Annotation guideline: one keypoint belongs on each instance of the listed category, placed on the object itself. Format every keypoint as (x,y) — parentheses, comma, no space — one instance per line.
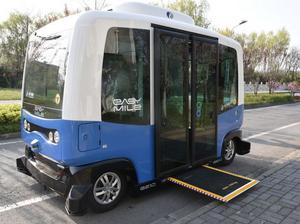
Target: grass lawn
(266,98)
(10,94)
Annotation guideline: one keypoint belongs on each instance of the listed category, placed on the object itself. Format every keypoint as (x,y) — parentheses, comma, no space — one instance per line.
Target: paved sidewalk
(276,199)
(10,102)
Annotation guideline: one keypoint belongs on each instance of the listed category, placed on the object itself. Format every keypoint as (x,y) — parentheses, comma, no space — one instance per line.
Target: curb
(9,102)
(254,106)
(10,135)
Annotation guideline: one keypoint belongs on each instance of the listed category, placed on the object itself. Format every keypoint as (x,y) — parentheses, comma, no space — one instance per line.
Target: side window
(228,78)
(125,94)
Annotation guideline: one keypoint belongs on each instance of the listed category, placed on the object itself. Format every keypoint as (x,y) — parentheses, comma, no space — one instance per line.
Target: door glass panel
(205,102)
(173,95)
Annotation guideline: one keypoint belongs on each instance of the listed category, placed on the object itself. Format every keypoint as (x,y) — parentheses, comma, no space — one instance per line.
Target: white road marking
(268,132)
(6,208)
(7,143)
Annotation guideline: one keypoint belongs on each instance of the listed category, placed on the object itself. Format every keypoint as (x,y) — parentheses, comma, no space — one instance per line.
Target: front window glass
(126,76)
(45,74)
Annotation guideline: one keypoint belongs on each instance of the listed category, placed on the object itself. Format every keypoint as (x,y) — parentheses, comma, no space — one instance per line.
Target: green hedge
(9,118)
(266,98)
(10,114)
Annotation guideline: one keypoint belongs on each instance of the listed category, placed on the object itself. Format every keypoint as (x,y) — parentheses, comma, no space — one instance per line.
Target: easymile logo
(38,110)
(127,105)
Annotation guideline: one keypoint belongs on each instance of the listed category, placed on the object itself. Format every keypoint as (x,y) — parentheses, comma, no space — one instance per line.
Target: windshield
(45,75)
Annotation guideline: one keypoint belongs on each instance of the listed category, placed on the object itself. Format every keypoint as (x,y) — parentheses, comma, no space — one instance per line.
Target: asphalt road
(274,133)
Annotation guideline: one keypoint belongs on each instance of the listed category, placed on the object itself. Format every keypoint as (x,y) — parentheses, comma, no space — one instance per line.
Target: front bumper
(57,178)
(31,168)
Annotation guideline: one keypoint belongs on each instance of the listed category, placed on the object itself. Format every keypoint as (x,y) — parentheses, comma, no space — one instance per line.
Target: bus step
(219,184)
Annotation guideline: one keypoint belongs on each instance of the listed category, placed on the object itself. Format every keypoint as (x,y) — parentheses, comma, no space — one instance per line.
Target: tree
(5,77)
(94,4)
(196,9)
(264,56)
(292,63)
(252,55)
(14,34)
(275,48)
(227,32)
(293,86)
(40,21)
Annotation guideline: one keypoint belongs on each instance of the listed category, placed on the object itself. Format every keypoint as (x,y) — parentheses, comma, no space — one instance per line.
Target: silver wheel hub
(229,150)
(107,188)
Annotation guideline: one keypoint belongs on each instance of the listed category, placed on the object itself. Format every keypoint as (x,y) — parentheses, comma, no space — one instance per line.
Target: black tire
(99,204)
(228,157)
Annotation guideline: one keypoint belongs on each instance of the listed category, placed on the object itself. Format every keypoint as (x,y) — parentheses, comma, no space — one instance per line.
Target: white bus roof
(134,11)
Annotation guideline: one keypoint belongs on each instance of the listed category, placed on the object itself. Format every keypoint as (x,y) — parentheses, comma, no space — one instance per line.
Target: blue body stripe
(84,142)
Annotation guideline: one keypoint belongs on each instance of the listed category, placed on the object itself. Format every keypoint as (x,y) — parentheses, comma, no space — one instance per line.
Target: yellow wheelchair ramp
(219,184)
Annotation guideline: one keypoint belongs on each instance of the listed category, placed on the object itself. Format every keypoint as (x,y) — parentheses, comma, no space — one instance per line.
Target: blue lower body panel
(83,142)
(228,121)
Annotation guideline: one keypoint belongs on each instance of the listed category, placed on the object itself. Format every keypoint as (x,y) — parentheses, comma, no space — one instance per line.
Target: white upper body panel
(82,91)
(150,10)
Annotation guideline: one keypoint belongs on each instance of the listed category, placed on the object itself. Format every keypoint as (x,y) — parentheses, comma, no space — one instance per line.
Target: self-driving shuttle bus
(130,96)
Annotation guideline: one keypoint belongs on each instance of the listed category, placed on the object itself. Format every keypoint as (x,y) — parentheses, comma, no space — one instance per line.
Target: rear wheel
(108,189)
(228,151)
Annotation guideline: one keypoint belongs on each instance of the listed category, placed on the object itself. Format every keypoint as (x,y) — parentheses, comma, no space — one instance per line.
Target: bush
(9,118)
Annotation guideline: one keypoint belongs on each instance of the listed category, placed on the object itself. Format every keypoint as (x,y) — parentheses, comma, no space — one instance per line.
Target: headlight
(25,124)
(56,137)
(50,136)
(28,126)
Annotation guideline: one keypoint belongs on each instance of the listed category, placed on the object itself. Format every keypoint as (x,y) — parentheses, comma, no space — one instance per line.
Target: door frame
(157,109)
(214,41)
(191,89)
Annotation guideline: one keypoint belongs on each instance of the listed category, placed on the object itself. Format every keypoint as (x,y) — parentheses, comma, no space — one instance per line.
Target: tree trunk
(256,85)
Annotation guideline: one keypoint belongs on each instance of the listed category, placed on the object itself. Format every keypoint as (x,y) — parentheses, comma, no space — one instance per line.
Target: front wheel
(228,151)
(108,189)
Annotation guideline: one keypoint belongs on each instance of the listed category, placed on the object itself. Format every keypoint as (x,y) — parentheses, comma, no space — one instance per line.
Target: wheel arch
(243,147)
(87,173)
